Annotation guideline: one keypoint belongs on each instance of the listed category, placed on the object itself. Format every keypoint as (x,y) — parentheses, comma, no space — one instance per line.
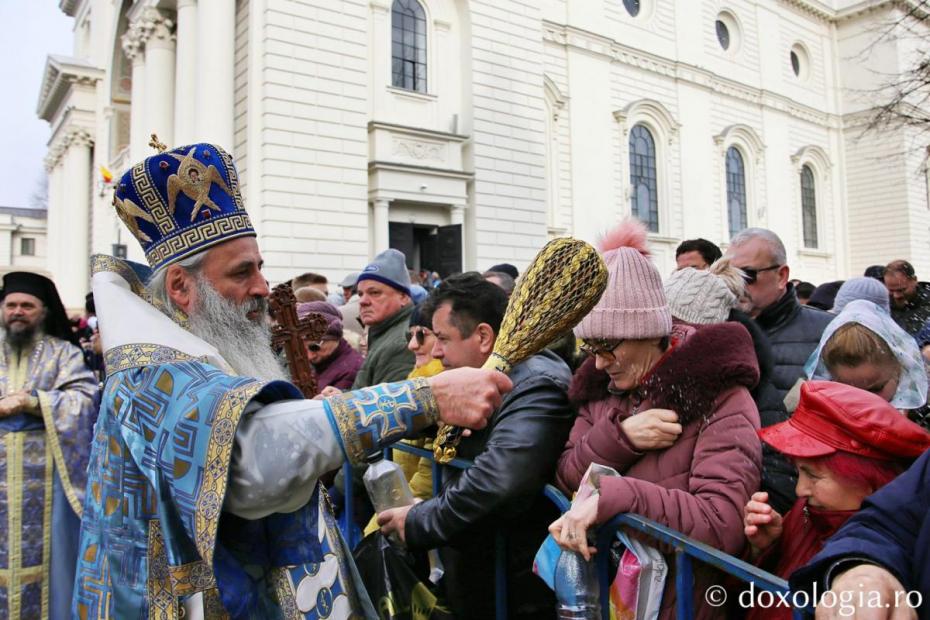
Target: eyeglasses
(604,348)
(419,333)
(751,275)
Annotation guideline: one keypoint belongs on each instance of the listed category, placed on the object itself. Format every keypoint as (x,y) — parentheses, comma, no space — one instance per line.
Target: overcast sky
(32,30)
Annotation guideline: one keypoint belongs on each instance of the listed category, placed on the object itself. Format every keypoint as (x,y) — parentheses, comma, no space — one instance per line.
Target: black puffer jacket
(793,332)
(514,457)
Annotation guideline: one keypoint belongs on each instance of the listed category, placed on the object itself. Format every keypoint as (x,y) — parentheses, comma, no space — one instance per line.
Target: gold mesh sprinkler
(560,287)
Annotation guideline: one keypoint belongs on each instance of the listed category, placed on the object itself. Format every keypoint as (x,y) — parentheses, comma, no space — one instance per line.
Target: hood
(690,378)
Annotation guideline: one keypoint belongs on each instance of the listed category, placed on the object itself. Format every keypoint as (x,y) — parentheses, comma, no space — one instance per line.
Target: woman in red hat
(846,443)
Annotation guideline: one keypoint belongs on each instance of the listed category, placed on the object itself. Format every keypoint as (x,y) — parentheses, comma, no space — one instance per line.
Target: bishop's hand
(469,396)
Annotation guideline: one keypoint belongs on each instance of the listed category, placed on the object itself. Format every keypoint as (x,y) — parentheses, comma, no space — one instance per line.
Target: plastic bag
(396,581)
(636,591)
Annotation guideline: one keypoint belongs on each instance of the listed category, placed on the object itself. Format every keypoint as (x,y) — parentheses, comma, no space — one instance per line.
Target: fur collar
(709,360)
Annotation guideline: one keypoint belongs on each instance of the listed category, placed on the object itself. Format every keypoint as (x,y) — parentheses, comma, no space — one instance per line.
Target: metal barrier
(685,549)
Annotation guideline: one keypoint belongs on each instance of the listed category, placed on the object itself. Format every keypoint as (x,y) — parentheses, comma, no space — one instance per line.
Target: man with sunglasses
(793,330)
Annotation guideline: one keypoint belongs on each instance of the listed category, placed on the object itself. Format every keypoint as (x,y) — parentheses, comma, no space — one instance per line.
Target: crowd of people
(775,421)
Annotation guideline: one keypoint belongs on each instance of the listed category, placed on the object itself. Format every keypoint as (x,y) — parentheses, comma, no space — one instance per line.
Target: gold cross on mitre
(158,146)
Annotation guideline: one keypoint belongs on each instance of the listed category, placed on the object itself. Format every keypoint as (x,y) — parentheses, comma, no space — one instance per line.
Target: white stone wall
(313,200)
(523,133)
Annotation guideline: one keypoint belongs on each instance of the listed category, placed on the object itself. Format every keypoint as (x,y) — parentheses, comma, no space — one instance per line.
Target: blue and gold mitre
(180,202)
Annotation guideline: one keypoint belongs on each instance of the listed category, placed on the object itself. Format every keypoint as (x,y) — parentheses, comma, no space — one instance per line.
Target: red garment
(700,484)
(804,531)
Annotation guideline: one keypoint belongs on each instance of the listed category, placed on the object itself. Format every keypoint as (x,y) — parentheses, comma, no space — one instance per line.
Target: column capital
(132,44)
(78,137)
(155,27)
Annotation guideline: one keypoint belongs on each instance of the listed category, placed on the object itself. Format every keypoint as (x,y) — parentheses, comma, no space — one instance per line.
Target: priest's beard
(245,344)
(19,334)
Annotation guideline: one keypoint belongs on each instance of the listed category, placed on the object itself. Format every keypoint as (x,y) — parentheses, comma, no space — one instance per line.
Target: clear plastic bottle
(387,488)
(577,588)
(386,485)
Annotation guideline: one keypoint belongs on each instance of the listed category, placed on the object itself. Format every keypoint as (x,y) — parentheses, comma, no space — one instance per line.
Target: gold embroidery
(47,526)
(212,606)
(138,355)
(216,467)
(130,212)
(163,604)
(283,592)
(14,487)
(51,432)
(194,179)
(197,238)
(151,199)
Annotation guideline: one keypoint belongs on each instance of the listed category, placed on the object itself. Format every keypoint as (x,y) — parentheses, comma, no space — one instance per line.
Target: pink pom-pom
(630,233)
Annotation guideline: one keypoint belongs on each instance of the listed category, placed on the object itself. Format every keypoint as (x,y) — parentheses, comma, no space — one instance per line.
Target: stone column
(53,222)
(156,30)
(74,278)
(135,52)
(186,73)
(381,228)
(457,216)
(216,46)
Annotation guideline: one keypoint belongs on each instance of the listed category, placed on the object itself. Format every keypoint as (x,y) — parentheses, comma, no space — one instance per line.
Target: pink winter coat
(699,485)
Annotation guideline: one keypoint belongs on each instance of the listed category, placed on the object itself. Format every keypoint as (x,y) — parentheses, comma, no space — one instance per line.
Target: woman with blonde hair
(865,348)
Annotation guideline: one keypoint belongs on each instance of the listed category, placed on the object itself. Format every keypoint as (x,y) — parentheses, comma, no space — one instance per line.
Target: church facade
(468,132)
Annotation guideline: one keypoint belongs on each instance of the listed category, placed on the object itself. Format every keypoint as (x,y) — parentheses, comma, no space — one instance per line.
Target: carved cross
(290,333)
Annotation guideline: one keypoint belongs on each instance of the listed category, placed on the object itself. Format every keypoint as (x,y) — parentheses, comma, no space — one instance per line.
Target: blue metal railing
(686,549)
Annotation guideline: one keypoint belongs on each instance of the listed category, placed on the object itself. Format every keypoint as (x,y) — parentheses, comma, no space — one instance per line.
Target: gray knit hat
(389,267)
(865,288)
(699,297)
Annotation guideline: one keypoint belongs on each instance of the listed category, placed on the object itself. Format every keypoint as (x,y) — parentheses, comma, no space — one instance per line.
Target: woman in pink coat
(669,409)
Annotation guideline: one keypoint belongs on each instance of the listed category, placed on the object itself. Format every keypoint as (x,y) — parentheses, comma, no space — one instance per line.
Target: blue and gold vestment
(43,463)
(155,539)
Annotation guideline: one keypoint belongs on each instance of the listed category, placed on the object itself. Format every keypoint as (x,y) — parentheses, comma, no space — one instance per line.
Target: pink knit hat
(633,306)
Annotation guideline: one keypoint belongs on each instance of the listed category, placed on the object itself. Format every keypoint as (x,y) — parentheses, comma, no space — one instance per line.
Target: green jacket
(388,358)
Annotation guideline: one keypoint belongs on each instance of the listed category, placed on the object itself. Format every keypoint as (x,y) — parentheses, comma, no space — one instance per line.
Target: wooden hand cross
(290,333)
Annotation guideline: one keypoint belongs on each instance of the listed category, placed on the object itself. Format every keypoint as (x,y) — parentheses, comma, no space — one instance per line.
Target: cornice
(570,36)
(61,74)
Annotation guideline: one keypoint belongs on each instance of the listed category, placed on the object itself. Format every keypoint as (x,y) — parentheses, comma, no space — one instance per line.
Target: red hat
(834,417)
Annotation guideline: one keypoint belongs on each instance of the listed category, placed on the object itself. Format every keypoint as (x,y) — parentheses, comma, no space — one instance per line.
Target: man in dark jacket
(884,548)
(910,299)
(384,308)
(500,496)
(793,331)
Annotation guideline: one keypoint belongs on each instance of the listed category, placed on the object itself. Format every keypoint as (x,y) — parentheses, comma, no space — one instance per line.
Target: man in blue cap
(202,498)
(384,308)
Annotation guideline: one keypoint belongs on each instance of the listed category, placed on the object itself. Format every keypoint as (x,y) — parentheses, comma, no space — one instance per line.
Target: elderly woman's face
(881,380)
(628,362)
(824,490)
(321,351)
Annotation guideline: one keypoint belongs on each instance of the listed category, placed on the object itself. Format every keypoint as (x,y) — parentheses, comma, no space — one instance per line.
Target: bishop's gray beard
(18,335)
(244,344)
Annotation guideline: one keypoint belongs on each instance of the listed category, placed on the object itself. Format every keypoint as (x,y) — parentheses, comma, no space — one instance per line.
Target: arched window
(644,199)
(408,45)
(736,191)
(808,207)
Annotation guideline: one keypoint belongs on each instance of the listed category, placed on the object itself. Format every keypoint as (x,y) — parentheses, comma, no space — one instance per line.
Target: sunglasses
(418,333)
(604,348)
(751,275)
(316,347)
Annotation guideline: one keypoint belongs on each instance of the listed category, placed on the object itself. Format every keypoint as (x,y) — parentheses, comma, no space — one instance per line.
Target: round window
(632,7)
(795,63)
(800,61)
(723,35)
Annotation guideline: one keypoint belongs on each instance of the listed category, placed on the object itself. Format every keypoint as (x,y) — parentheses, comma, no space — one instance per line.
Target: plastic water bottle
(576,588)
(386,485)
(387,488)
